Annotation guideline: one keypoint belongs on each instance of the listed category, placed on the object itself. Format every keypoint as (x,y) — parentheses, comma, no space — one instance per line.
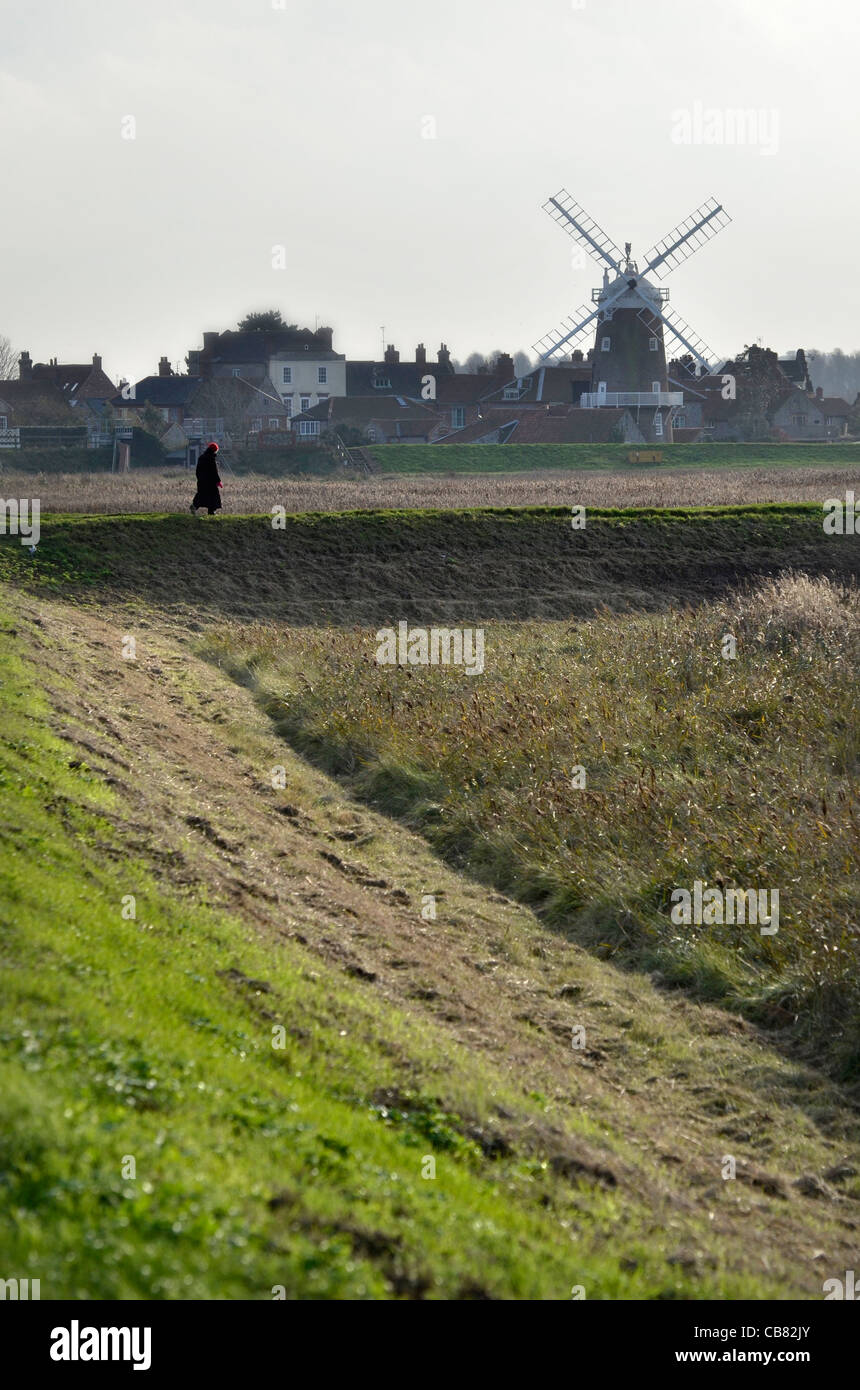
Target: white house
(307,376)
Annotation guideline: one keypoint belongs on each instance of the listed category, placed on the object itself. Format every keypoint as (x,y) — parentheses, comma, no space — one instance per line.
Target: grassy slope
(426,565)
(507,458)
(121,1038)
(256,1167)
(739,772)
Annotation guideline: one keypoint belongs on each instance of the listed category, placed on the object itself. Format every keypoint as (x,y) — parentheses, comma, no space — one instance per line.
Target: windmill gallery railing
(589,400)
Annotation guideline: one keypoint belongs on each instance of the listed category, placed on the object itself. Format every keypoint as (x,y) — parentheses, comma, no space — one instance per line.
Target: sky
(170,165)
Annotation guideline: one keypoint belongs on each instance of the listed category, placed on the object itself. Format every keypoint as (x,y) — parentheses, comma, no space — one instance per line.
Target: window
(655,387)
(256,426)
(605,344)
(273,422)
(322,375)
(235,371)
(658,423)
(4,422)
(288,375)
(799,419)
(382,383)
(458,417)
(680,422)
(653,345)
(322,395)
(288,407)
(511,393)
(308,426)
(306,402)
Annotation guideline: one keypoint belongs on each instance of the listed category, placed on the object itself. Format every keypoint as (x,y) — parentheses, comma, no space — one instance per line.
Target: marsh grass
(738,772)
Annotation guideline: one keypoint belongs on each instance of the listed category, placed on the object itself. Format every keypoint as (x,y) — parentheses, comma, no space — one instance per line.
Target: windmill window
(655,387)
(605,344)
(658,423)
(458,417)
(653,345)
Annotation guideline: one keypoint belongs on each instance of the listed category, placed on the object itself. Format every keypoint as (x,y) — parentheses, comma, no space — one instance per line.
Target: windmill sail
(685,239)
(576,222)
(684,334)
(572,331)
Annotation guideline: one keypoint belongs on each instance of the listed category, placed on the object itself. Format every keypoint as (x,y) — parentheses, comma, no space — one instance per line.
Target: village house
(379,420)
(299,363)
(391,377)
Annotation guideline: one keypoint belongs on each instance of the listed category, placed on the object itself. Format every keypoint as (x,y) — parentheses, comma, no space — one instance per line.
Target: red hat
(213,445)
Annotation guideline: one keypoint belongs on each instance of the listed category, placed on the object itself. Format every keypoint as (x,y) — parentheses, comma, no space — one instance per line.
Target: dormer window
(382,383)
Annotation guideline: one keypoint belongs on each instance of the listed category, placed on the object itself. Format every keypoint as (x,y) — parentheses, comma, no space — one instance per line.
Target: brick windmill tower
(631,316)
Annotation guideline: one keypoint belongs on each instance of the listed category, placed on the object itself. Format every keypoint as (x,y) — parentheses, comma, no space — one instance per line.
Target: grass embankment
(154,1143)
(508,458)
(427,565)
(740,773)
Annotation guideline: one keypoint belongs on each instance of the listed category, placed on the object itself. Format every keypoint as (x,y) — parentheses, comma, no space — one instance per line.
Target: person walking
(208,481)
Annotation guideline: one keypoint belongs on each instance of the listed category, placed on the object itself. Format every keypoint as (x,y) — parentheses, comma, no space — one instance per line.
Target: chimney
(97,362)
(421,356)
(819,393)
(391,354)
(444,358)
(505,365)
(324,337)
(576,355)
(193,361)
(209,341)
(25,367)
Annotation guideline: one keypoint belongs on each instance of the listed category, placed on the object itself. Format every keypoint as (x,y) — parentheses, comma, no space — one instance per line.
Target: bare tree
(8,360)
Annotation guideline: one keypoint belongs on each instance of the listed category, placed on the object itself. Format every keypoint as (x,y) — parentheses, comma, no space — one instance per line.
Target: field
(324,976)
(507,458)
(170,490)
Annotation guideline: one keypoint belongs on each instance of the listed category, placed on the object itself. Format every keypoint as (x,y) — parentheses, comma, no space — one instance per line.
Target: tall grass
(170,490)
(737,771)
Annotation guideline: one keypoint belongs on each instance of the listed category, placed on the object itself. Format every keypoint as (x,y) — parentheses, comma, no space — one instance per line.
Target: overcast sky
(305,124)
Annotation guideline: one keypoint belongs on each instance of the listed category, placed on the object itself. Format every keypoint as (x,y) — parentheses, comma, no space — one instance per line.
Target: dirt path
(670,1088)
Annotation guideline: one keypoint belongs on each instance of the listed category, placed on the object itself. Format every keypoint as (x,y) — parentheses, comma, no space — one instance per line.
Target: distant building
(391,377)
(380,420)
(78,381)
(299,363)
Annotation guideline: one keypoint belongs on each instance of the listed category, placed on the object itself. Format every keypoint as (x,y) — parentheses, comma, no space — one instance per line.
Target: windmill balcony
(660,292)
(590,400)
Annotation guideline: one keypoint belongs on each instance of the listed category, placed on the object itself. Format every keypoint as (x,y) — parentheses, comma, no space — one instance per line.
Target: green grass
(515,458)
(255,1167)
(739,773)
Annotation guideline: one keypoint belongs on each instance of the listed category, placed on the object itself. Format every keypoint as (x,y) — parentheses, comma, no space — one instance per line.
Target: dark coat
(208,479)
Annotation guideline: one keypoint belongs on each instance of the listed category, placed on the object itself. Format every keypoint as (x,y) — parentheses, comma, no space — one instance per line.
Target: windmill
(631,314)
